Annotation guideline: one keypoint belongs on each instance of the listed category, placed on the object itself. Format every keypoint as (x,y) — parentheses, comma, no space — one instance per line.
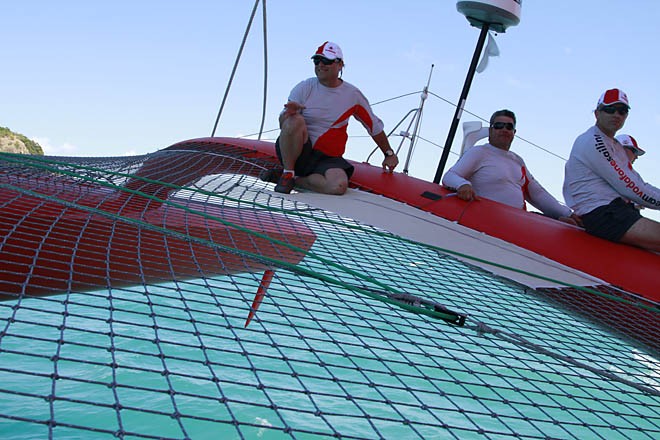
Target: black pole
(461,103)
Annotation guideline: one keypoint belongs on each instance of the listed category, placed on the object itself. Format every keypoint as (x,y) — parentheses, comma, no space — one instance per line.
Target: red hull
(49,248)
(629,268)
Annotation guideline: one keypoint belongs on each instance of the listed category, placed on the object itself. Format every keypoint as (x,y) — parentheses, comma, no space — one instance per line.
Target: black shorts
(313,161)
(611,221)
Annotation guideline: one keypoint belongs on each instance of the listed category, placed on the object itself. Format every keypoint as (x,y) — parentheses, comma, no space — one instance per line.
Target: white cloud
(65,149)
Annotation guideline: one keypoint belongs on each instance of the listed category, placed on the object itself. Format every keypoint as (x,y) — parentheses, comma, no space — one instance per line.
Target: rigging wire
(465,110)
(263,108)
(397,97)
(486,121)
(265,93)
(233,71)
(417,116)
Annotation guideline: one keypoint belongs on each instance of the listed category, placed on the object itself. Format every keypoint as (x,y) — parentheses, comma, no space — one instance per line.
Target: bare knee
(292,125)
(336,181)
(337,188)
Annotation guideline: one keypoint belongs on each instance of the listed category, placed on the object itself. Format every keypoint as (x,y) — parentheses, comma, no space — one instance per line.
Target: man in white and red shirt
(494,172)
(313,128)
(601,185)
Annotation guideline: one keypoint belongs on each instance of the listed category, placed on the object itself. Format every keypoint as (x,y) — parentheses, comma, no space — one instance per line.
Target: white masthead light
(499,14)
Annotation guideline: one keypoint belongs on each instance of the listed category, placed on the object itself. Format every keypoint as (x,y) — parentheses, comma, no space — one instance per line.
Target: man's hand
(390,162)
(574,220)
(291,108)
(465,192)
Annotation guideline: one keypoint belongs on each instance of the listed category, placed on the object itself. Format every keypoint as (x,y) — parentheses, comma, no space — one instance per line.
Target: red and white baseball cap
(630,143)
(329,50)
(613,96)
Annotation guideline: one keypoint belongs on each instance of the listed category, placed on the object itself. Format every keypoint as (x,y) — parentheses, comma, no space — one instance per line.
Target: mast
(493,14)
(461,103)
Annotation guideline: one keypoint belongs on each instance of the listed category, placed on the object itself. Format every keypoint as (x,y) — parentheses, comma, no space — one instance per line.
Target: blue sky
(129,77)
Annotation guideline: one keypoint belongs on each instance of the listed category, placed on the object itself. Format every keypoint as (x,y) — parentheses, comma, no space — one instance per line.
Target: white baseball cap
(630,143)
(330,51)
(613,96)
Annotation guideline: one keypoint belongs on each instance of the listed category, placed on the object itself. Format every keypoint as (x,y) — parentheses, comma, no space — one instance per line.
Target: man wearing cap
(313,128)
(629,143)
(602,187)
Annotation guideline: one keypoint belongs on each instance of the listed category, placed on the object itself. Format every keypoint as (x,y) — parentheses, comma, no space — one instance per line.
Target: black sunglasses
(610,110)
(500,125)
(325,61)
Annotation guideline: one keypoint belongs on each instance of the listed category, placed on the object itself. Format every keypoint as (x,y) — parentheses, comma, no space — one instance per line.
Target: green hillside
(11,142)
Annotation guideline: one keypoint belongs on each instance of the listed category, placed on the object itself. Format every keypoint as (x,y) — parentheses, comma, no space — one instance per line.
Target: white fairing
(499,14)
(473,132)
(412,223)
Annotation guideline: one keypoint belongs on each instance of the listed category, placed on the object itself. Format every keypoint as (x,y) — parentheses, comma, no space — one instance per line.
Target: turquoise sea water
(320,360)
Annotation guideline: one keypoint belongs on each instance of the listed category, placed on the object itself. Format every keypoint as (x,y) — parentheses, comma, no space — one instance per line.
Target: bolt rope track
(322,358)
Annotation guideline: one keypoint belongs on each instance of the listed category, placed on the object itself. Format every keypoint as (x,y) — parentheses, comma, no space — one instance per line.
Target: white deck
(414,224)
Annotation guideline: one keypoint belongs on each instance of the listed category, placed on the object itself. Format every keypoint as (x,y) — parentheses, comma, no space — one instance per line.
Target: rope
(482,328)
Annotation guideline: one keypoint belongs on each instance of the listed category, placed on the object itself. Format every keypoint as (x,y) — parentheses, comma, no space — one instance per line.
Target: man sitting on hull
(602,187)
(313,128)
(494,172)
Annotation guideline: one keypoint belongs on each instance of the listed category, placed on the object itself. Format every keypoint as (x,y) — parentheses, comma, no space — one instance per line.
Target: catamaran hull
(68,237)
(631,269)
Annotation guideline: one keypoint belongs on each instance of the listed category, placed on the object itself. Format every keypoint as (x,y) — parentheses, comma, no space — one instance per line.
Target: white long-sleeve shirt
(502,176)
(598,171)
